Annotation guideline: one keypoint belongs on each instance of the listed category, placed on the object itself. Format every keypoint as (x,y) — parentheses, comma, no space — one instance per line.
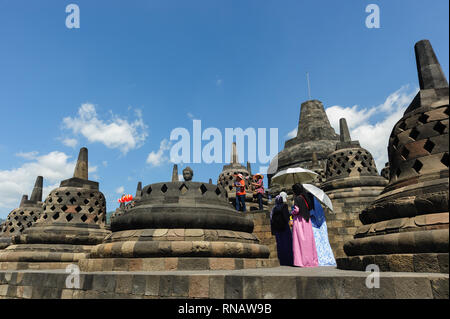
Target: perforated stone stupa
(352,183)
(72,221)
(227,178)
(406,227)
(24,216)
(314,136)
(180,225)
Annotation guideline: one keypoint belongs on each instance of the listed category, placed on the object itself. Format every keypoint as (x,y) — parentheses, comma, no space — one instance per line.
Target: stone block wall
(261,220)
(344,221)
(329,284)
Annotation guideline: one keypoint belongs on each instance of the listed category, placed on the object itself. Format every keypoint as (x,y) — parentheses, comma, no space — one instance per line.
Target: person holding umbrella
(320,231)
(319,225)
(303,243)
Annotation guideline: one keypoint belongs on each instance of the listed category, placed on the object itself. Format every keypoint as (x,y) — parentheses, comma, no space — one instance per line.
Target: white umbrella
(319,194)
(291,176)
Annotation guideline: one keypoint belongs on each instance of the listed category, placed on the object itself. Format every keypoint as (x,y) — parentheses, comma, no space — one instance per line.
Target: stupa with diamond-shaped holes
(179,225)
(352,183)
(71,223)
(24,216)
(406,227)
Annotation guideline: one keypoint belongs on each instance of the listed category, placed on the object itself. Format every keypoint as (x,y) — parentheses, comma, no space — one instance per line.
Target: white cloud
(219,82)
(180,177)
(54,167)
(373,133)
(105,163)
(120,190)
(157,158)
(354,115)
(71,142)
(115,133)
(292,133)
(191,116)
(28,155)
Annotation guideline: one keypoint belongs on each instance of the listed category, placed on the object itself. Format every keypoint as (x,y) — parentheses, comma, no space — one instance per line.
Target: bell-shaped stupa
(352,183)
(406,227)
(227,179)
(180,225)
(72,222)
(314,136)
(24,216)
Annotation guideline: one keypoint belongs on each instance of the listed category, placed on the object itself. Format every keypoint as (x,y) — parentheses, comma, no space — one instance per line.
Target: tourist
(258,184)
(240,192)
(279,223)
(303,244)
(319,225)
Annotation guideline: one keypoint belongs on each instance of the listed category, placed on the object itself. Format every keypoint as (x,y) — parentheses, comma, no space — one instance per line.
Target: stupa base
(42,256)
(174,263)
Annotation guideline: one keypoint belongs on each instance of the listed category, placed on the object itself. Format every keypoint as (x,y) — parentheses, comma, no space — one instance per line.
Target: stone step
(273,283)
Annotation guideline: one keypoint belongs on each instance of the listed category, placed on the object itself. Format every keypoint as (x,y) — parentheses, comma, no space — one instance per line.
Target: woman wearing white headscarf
(279,222)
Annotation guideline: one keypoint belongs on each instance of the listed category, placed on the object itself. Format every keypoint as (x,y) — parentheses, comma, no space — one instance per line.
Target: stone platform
(174,263)
(264,283)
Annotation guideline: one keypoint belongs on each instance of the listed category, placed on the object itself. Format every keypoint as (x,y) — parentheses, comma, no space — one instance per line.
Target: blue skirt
(324,251)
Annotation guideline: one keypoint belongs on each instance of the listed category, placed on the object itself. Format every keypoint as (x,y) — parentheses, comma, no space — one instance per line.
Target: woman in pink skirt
(303,243)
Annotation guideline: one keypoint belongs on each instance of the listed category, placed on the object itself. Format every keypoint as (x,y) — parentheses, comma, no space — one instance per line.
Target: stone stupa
(406,228)
(182,225)
(352,183)
(24,216)
(227,178)
(314,136)
(72,222)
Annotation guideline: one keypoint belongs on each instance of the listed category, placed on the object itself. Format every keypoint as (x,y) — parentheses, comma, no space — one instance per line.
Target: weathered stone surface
(410,216)
(314,135)
(72,221)
(227,178)
(24,216)
(351,182)
(281,283)
(198,287)
(190,225)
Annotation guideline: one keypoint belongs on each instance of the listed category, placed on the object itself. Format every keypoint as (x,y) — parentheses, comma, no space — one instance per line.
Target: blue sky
(143,68)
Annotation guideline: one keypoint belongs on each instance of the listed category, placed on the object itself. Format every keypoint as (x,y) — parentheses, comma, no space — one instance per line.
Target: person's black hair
(301,195)
(298,189)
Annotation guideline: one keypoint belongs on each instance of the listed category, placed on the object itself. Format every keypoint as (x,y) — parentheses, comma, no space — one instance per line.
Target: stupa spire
(344,132)
(138,190)
(36,195)
(23,200)
(175,173)
(429,70)
(81,169)
(234,154)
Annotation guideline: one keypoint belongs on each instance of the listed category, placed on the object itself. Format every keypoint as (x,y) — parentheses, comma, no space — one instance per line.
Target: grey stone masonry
(314,135)
(24,216)
(352,182)
(262,283)
(410,216)
(72,221)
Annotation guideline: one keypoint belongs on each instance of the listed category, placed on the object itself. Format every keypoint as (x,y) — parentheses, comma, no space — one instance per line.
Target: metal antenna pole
(309,87)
